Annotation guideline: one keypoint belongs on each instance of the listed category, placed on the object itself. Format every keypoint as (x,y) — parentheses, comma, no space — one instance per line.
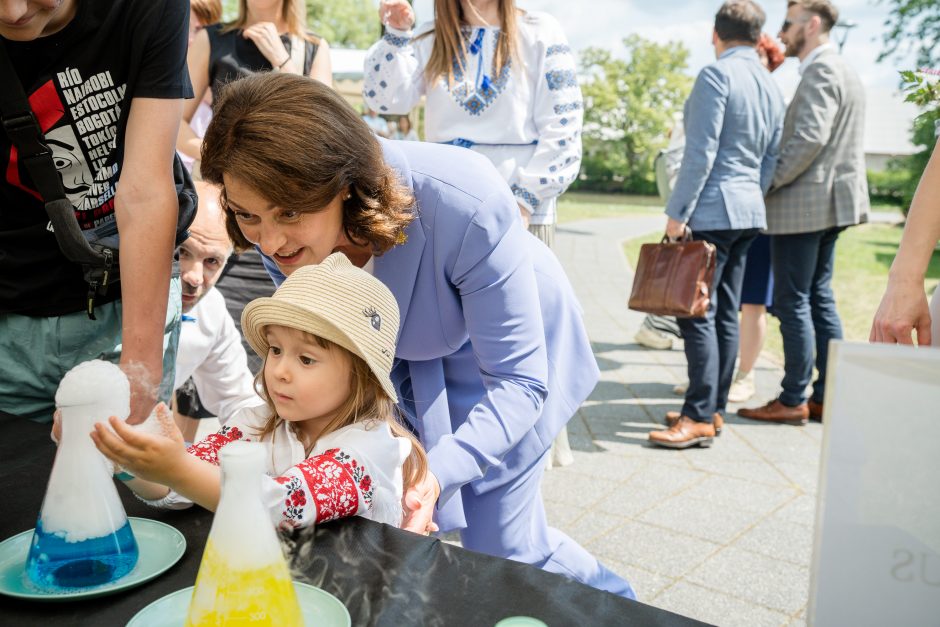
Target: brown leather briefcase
(674,278)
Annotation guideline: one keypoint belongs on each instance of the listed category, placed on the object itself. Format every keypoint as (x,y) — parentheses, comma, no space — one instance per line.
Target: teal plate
(319,608)
(160,547)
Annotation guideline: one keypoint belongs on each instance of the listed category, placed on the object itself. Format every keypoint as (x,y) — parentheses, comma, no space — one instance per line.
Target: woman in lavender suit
(492,359)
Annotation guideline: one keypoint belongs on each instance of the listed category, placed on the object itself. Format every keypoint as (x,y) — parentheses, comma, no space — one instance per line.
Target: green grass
(863,257)
(575,206)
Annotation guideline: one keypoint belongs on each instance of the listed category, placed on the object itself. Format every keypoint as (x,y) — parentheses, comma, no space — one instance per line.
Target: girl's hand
(266,38)
(149,456)
(397,13)
(903,310)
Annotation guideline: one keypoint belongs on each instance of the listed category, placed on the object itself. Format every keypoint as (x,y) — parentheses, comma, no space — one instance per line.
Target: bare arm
(903,308)
(159,463)
(197,60)
(146,209)
(322,67)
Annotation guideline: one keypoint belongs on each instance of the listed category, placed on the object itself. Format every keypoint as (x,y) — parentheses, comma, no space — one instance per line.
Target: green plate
(319,608)
(159,544)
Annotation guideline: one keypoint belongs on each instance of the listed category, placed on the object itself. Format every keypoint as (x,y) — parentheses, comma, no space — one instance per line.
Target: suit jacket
(733,121)
(820,180)
(492,358)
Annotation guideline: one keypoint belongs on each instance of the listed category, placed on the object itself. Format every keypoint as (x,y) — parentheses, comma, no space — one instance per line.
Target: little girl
(327,338)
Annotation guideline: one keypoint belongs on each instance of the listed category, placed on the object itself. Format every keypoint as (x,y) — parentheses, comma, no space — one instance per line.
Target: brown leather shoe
(775,411)
(815,410)
(672,417)
(685,433)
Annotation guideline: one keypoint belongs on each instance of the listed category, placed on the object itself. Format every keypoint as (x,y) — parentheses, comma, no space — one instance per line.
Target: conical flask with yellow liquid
(243,578)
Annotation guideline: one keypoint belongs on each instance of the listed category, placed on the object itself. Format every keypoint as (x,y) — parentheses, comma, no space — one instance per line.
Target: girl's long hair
(367,401)
(294,13)
(450,42)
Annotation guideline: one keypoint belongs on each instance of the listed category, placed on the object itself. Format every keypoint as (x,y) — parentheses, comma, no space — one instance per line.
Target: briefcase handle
(686,237)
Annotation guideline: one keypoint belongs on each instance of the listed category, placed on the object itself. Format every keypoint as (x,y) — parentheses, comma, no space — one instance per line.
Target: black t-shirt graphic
(80,83)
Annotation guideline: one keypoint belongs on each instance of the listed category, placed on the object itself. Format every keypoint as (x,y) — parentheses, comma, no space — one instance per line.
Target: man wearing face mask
(819,189)
(210,349)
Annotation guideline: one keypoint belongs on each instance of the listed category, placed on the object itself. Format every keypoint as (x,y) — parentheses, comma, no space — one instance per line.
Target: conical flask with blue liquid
(83,538)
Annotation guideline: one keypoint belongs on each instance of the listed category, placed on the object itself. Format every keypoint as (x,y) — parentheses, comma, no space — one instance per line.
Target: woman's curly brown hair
(298,144)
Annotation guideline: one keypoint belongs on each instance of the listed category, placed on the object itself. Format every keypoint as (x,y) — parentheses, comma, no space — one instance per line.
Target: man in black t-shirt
(106,81)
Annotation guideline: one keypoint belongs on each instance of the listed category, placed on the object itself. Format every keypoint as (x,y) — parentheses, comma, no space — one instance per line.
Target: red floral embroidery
(208,449)
(357,471)
(294,502)
(332,479)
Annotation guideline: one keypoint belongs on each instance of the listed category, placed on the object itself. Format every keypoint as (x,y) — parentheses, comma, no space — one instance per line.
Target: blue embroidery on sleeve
(568,106)
(558,49)
(396,41)
(527,196)
(559,79)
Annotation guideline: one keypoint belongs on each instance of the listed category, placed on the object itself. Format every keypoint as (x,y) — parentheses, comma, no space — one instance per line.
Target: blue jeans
(711,343)
(804,302)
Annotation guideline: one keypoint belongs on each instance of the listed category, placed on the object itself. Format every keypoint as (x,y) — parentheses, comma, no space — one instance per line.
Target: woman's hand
(903,310)
(266,38)
(418,505)
(149,456)
(397,13)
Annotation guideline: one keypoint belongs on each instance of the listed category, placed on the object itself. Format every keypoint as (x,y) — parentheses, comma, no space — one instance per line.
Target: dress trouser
(509,521)
(711,343)
(803,300)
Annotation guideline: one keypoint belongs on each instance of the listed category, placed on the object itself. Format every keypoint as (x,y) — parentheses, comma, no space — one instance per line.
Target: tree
(913,25)
(345,23)
(628,111)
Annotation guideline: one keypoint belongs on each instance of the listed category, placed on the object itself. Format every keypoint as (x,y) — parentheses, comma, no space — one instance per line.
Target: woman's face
(291,238)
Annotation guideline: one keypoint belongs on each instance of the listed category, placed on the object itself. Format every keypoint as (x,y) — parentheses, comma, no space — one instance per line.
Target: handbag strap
(20,124)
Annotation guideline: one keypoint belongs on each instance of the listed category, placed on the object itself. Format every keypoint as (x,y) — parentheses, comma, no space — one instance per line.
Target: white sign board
(876,557)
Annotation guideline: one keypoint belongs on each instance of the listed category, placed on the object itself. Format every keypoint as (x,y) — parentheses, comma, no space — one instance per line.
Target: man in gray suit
(733,121)
(819,189)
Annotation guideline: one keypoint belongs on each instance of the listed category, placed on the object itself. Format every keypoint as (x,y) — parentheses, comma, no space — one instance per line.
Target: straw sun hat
(336,301)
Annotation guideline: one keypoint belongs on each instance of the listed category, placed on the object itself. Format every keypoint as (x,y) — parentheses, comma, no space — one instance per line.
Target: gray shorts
(35,353)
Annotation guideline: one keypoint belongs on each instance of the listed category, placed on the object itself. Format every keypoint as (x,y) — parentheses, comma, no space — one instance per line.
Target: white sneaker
(742,388)
(681,388)
(651,338)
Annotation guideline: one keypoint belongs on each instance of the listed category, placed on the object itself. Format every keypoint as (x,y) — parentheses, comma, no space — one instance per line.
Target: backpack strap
(20,124)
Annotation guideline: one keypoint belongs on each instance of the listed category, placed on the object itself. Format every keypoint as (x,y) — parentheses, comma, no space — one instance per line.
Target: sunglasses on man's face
(788,23)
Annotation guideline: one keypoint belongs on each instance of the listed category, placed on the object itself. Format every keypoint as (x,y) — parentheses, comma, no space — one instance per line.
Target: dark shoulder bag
(99,263)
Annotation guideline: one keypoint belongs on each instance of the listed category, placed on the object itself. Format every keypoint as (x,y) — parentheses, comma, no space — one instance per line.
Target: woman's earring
(347,196)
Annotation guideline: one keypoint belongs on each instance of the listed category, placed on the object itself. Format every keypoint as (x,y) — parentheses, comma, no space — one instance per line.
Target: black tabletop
(384,576)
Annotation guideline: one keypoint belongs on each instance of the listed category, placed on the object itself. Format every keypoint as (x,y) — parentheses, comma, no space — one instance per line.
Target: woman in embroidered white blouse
(498,80)
(327,337)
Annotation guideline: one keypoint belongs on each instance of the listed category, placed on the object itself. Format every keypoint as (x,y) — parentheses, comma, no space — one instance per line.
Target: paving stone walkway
(723,534)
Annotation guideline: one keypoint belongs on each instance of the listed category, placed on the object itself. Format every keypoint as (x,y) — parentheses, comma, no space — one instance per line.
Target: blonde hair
(450,44)
(294,13)
(367,400)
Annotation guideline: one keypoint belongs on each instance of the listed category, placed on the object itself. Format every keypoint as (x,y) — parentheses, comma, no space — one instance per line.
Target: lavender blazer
(493,358)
